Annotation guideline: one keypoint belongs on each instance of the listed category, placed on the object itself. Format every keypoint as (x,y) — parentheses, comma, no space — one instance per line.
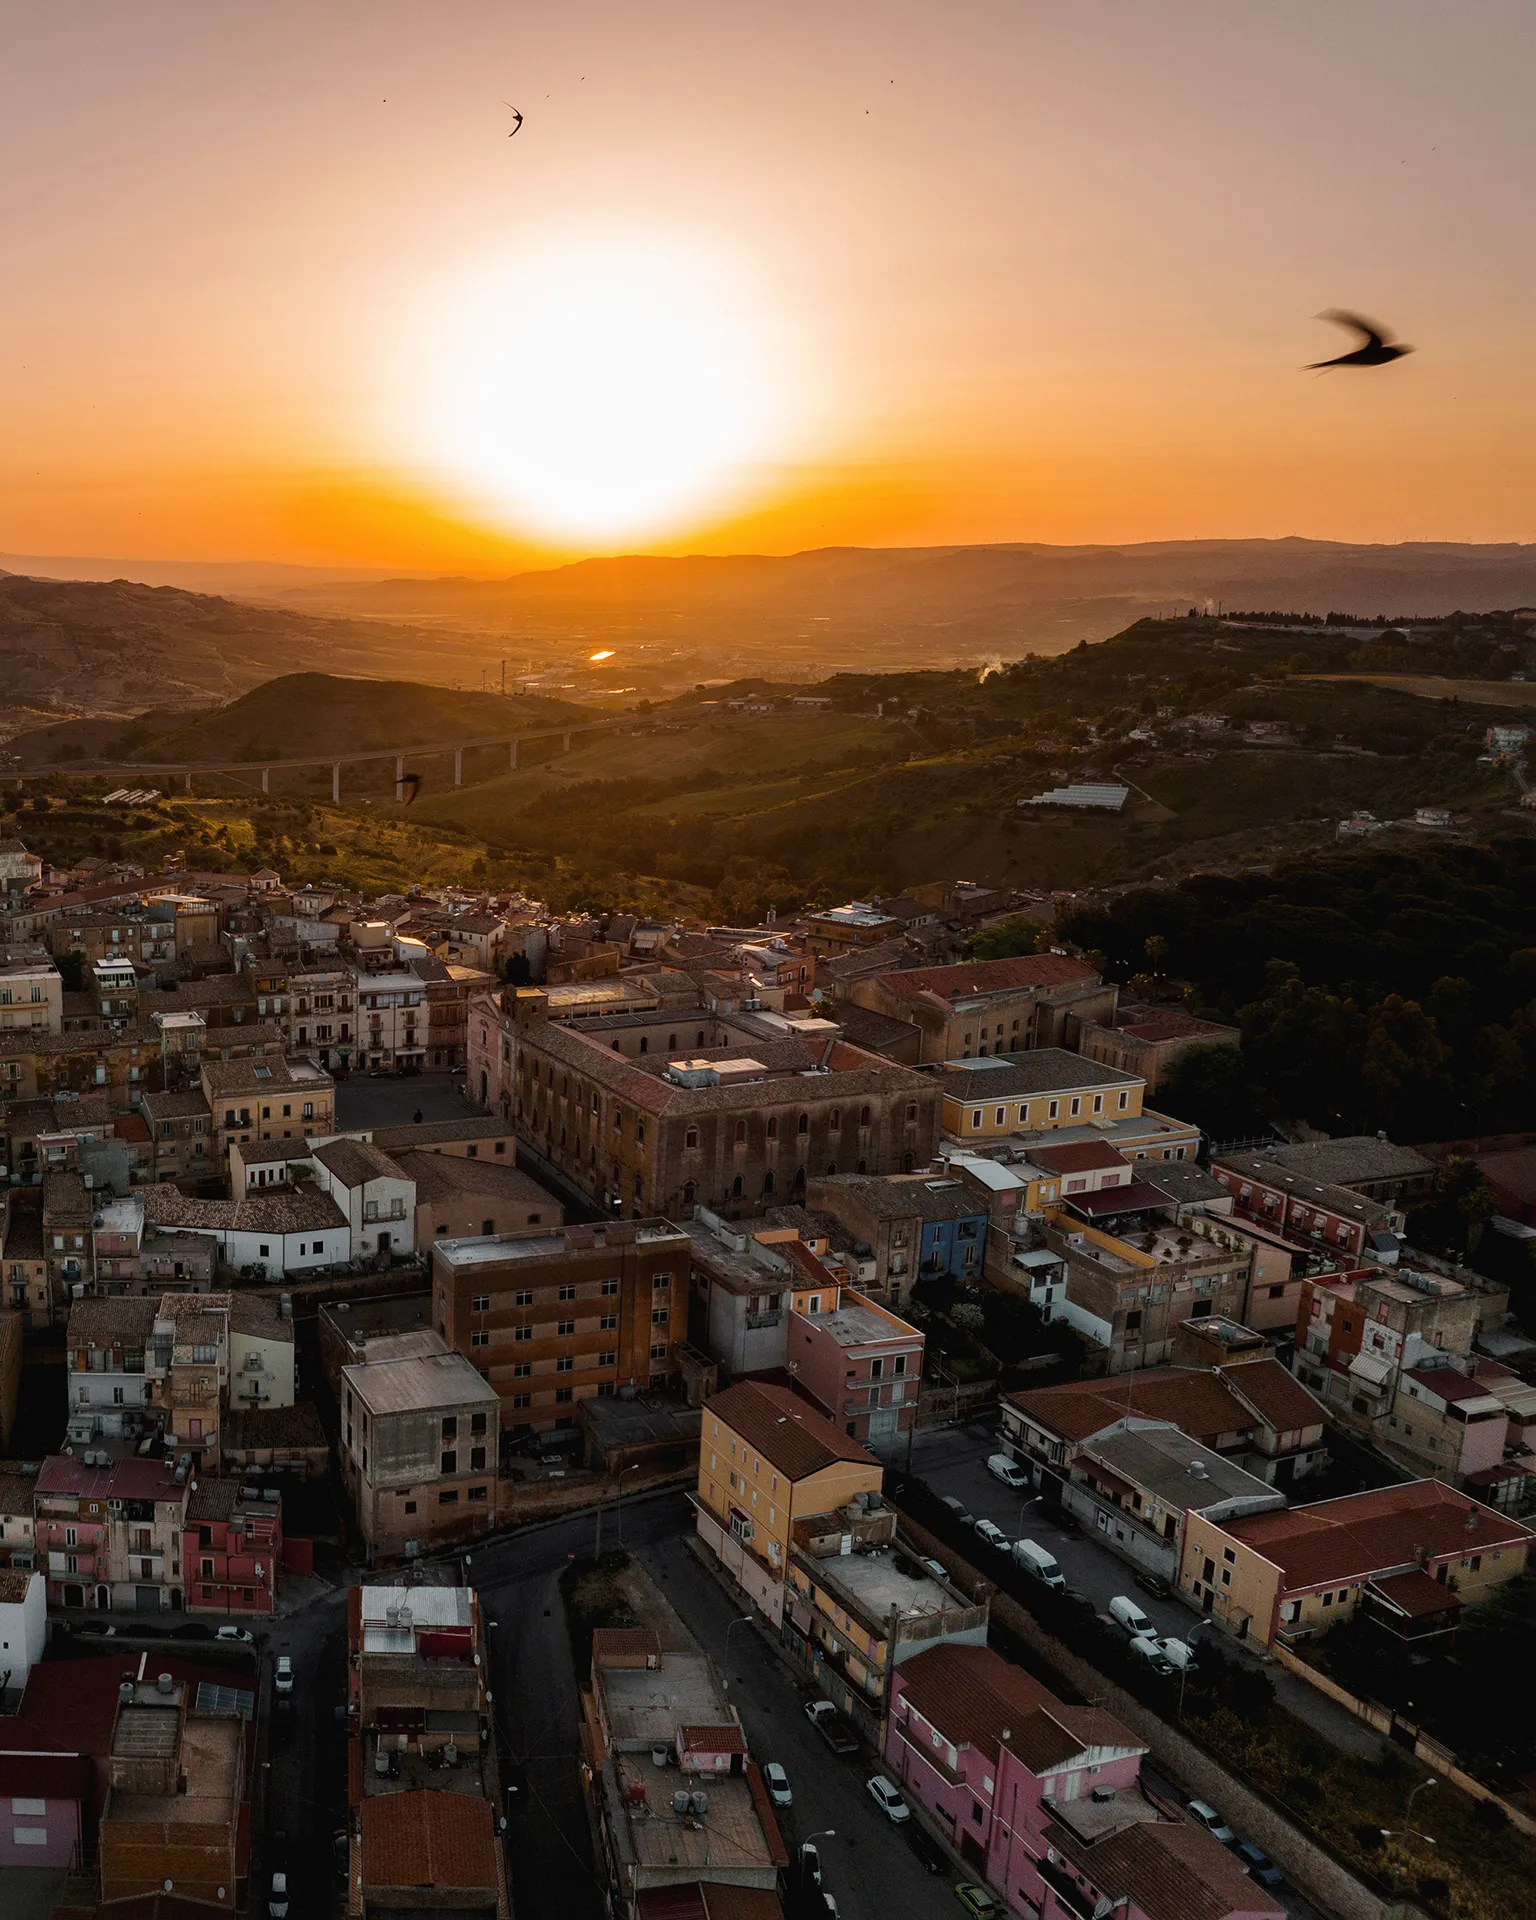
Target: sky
(278,285)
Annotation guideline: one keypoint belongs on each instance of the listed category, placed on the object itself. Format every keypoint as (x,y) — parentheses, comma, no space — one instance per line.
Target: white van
(1178,1653)
(1002,1468)
(1127,1614)
(1151,1651)
(1035,1560)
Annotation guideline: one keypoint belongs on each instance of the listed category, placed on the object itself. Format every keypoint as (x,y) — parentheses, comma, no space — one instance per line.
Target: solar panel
(212,1698)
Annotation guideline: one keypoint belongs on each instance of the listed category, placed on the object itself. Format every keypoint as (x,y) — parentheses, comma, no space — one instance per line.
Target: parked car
(99,1627)
(1039,1564)
(887,1799)
(993,1534)
(959,1509)
(242,1634)
(831,1725)
(1258,1863)
(1009,1472)
(283,1680)
(1205,1815)
(1154,1584)
(777,1781)
(810,1864)
(341,1851)
(1146,1647)
(931,1857)
(277,1898)
(980,1902)
(1177,1652)
(1125,1613)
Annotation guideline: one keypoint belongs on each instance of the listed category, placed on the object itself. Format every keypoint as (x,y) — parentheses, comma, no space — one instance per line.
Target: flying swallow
(516,114)
(1373,351)
(408,786)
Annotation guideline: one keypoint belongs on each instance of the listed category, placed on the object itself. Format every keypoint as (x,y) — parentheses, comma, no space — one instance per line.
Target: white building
(31,996)
(23,1624)
(376,1198)
(391,1019)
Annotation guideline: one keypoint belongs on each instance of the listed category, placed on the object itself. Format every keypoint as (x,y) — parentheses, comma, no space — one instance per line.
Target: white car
(778,1785)
(242,1634)
(1206,1816)
(277,1898)
(994,1536)
(283,1680)
(887,1799)
(1008,1471)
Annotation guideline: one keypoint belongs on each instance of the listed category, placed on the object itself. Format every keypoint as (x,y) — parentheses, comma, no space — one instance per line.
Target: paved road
(952,1461)
(868,1868)
(389,1101)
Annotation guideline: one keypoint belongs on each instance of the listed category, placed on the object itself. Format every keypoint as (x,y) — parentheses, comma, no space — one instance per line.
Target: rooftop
(1204,1403)
(497,1248)
(978,978)
(1079,1156)
(1045,1070)
(1351,1158)
(427,1840)
(898,1196)
(355,1162)
(878,1585)
(419,1383)
(645,1706)
(1180,1473)
(854,1323)
(976,1698)
(784,1429)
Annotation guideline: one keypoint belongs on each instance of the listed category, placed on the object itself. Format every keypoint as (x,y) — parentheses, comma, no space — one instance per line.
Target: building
(1253,1414)
(420,1446)
(1408,1554)
(31,996)
(1332,1218)
(855,1360)
(18,1528)
(986,1007)
(1391,1355)
(267,1099)
(458,1198)
(179,1773)
(23,1626)
(320,1014)
(1148,1041)
(740,1286)
(112,1532)
(392,1019)
(675,1842)
(767,1459)
(231,1548)
(858,1602)
(553,1318)
(916,1226)
(425,1790)
(845,929)
(107,1343)
(1044,1801)
(25,1260)
(1023,1092)
(736,1125)
(1133,1277)
(1138,1489)
(377,1199)
(182,1135)
(1366,1163)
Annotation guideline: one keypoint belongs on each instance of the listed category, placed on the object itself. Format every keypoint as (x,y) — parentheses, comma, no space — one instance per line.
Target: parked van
(1002,1468)
(1178,1653)
(1127,1614)
(1150,1650)
(1044,1566)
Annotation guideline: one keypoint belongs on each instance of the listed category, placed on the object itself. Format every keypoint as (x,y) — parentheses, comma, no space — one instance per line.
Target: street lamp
(1406,1833)
(1431,1781)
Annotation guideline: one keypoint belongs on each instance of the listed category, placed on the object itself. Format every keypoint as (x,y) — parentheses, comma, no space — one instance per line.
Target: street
(953,1461)
(390,1101)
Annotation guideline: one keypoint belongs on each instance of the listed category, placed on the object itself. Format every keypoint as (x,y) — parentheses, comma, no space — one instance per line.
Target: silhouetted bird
(410,786)
(515,114)
(1374,350)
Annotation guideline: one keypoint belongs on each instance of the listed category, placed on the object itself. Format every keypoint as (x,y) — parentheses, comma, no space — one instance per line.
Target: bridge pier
(265,776)
(458,766)
(336,783)
(512,759)
(565,743)
(189,783)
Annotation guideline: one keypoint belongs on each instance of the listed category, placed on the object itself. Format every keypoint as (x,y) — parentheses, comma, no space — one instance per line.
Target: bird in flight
(1374,350)
(516,114)
(410,786)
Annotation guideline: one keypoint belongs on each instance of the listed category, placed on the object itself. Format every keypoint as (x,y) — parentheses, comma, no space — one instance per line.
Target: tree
(1007,940)
(1458,1208)
(72,970)
(1211,1086)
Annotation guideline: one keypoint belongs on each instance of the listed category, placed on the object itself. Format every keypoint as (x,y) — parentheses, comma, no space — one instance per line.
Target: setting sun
(598,390)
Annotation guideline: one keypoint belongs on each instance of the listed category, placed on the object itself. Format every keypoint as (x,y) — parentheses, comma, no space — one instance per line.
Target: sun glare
(601,390)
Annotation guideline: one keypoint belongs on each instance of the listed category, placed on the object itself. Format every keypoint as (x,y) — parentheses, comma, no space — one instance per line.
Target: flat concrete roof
(647,1705)
(418,1383)
(877,1583)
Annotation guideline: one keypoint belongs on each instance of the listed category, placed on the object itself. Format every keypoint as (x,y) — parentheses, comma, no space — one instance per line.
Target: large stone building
(735,1123)
(985,1007)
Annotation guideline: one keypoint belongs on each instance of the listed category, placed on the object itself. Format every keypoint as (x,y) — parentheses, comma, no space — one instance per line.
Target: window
(477,1493)
(567,1293)
(482,1301)
(608,1323)
(691,1137)
(659,1351)
(658,1316)
(1053,1111)
(660,1280)
(450,1426)
(522,1333)
(477,1460)
(523,1299)
(803,1124)
(564,1396)
(479,1338)
(449,1499)
(477,1423)
(522,1370)
(610,1286)
(976,1118)
(565,1364)
(522,1400)
(565,1328)
(448,1463)
(608,1359)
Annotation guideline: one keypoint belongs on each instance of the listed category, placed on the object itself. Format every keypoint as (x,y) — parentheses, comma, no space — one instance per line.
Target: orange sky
(971,269)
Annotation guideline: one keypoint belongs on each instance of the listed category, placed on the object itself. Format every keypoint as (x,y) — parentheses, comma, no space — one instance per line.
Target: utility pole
(503,679)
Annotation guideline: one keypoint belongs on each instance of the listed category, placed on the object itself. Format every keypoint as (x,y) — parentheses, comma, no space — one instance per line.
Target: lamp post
(1430,1781)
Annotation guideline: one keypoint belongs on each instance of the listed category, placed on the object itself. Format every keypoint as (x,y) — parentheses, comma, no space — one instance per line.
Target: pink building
(1044,1801)
(860,1363)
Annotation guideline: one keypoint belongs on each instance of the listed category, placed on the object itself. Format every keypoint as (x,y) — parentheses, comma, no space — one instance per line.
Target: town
(513,1410)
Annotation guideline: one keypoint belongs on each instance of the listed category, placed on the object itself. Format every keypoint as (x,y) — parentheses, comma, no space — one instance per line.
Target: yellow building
(766,1460)
(1412,1555)
(1048,1092)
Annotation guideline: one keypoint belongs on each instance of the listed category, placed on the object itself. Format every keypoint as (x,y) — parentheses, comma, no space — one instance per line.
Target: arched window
(741,1133)
(691,1137)
(863,1166)
(701,1040)
(831,1169)
(835,1120)
(768,1182)
(672,1043)
(736,1188)
(773,1126)
(803,1124)
(799,1179)
(863,1116)
(689,1191)
(645,1045)
(614,1044)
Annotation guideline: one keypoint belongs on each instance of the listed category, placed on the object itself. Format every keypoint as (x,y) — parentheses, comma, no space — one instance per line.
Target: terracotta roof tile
(988,976)
(780,1426)
(428,1840)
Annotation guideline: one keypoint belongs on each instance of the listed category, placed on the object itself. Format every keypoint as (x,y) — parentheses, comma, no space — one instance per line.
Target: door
(884,1422)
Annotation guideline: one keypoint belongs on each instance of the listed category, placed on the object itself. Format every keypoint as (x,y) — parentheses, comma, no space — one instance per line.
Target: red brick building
(230,1551)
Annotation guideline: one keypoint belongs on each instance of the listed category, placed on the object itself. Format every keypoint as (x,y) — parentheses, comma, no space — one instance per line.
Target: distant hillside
(115,647)
(296,714)
(942,606)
